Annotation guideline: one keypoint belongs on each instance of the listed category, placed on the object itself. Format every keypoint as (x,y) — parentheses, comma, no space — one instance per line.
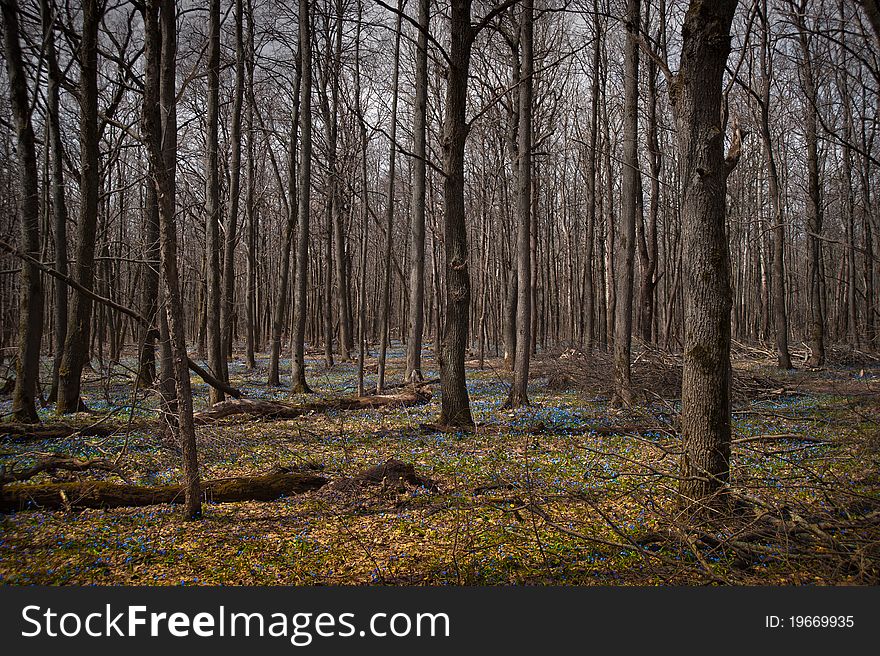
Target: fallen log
(281,410)
(97,494)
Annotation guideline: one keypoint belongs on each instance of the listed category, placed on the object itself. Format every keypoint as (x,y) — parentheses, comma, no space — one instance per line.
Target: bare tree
(524,250)
(629,203)
(696,94)
(76,343)
(216,354)
(298,374)
(154,127)
(30,324)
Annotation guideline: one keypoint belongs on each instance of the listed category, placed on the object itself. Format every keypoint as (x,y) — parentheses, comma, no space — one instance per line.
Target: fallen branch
(780,436)
(51,431)
(195,368)
(110,495)
(280,410)
(54,463)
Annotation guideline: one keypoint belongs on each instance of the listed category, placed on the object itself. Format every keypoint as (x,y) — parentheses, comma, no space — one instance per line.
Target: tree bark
(455,406)
(59,203)
(155,51)
(100,494)
(816,281)
(289,231)
(518,395)
(417,243)
(777,280)
(30,323)
(76,343)
(389,210)
(706,378)
(298,374)
(629,204)
(216,354)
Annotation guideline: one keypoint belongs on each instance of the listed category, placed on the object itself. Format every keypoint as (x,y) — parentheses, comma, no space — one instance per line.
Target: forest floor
(566,491)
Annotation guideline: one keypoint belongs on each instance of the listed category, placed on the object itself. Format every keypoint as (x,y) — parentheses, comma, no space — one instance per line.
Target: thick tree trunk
(30,322)
(455,405)
(417,244)
(706,378)
(277,410)
(76,343)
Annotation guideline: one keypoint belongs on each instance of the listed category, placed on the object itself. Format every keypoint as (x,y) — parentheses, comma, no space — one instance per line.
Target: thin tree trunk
(77,339)
(524,250)
(298,373)
(250,204)
(417,244)
(227,308)
(289,229)
(816,284)
(59,204)
(629,204)
(777,280)
(389,210)
(164,179)
(214,341)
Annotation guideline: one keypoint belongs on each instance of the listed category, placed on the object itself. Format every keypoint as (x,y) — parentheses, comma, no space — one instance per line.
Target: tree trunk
(629,204)
(155,56)
(77,339)
(298,374)
(777,280)
(816,282)
(524,251)
(455,406)
(59,204)
(30,323)
(250,205)
(389,210)
(227,308)
(706,378)
(417,244)
(216,354)
(289,228)
(100,494)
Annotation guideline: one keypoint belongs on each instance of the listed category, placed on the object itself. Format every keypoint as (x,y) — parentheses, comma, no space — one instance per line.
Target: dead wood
(51,431)
(96,494)
(281,410)
(52,463)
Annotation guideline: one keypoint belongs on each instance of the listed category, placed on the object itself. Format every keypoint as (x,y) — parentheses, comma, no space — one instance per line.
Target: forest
(410,292)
